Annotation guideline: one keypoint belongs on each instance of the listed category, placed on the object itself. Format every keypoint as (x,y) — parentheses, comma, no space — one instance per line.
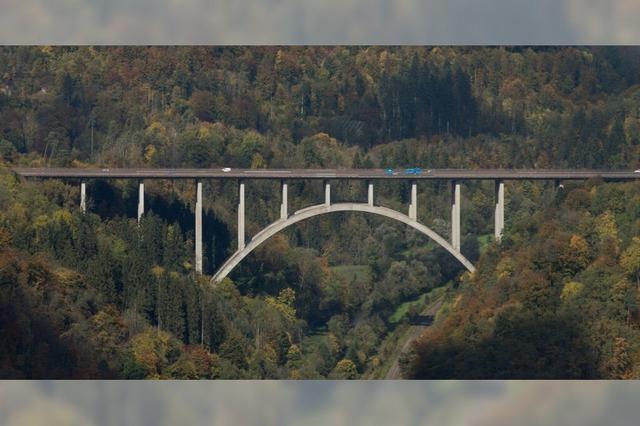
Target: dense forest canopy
(97,295)
(241,106)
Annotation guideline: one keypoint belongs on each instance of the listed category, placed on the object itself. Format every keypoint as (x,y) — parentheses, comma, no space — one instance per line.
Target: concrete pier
(455,215)
(140,201)
(83,197)
(327,193)
(198,235)
(370,193)
(284,208)
(499,212)
(241,215)
(413,207)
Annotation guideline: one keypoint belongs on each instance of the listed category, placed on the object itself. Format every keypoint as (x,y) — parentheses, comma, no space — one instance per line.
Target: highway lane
(372,174)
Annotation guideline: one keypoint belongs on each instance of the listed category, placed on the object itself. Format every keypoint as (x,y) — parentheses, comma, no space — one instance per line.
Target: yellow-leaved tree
(630,260)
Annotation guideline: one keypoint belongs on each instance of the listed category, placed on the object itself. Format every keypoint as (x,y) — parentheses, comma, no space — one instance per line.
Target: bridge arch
(321,209)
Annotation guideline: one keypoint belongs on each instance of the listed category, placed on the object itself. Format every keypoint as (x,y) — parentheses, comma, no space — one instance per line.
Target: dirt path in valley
(412,334)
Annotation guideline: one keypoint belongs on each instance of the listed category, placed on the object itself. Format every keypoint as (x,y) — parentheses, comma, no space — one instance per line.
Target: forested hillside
(96,295)
(557,299)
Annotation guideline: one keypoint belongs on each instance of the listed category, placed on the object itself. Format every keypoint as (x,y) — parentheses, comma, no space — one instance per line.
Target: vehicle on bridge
(413,171)
(391,172)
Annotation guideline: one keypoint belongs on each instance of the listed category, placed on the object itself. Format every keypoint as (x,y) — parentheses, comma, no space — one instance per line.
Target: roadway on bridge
(366,174)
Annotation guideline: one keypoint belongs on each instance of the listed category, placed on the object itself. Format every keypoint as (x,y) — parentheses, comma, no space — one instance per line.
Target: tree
(173,248)
(184,368)
(137,288)
(202,103)
(606,225)
(571,290)
(345,369)
(284,303)
(294,357)
(624,297)
(85,238)
(103,275)
(619,364)
(576,256)
(615,142)
(154,350)
(630,260)
(152,232)
(234,349)
(170,313)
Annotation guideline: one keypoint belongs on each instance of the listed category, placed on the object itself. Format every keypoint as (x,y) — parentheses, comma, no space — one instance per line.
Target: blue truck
(415,171)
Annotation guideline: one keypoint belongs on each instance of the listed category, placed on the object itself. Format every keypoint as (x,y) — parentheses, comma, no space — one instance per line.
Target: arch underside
(321,209)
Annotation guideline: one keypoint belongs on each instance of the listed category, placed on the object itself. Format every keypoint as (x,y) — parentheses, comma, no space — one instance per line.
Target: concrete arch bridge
(455,176)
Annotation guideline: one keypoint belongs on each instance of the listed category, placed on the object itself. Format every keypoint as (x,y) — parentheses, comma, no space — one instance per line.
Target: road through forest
(412,334)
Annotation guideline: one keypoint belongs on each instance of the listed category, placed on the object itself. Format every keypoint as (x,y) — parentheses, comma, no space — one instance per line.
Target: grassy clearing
(421,301)
(311,342)
(484,241)
(359,273)
(402,310)
(396,338)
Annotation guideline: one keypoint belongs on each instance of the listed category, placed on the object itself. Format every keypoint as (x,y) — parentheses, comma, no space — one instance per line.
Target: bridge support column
(284,209)
(198,235)
(83,197)
(327,193)
(370,193)
(140,201)
(499,213)
(241,215)
(455,215)
(413,207)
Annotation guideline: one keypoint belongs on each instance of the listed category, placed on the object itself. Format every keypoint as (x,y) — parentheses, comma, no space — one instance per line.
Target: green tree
(344,369)
(630,260)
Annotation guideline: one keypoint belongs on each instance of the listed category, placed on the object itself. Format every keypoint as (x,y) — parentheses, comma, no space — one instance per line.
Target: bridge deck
(400,173)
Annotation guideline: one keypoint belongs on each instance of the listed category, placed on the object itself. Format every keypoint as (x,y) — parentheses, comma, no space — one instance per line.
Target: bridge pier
(327,193)
(140,200)
(455,215)
(198,235)
(413,207)
(83,197)
(370,193)
(241,215)
(284,209)
(499,212)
